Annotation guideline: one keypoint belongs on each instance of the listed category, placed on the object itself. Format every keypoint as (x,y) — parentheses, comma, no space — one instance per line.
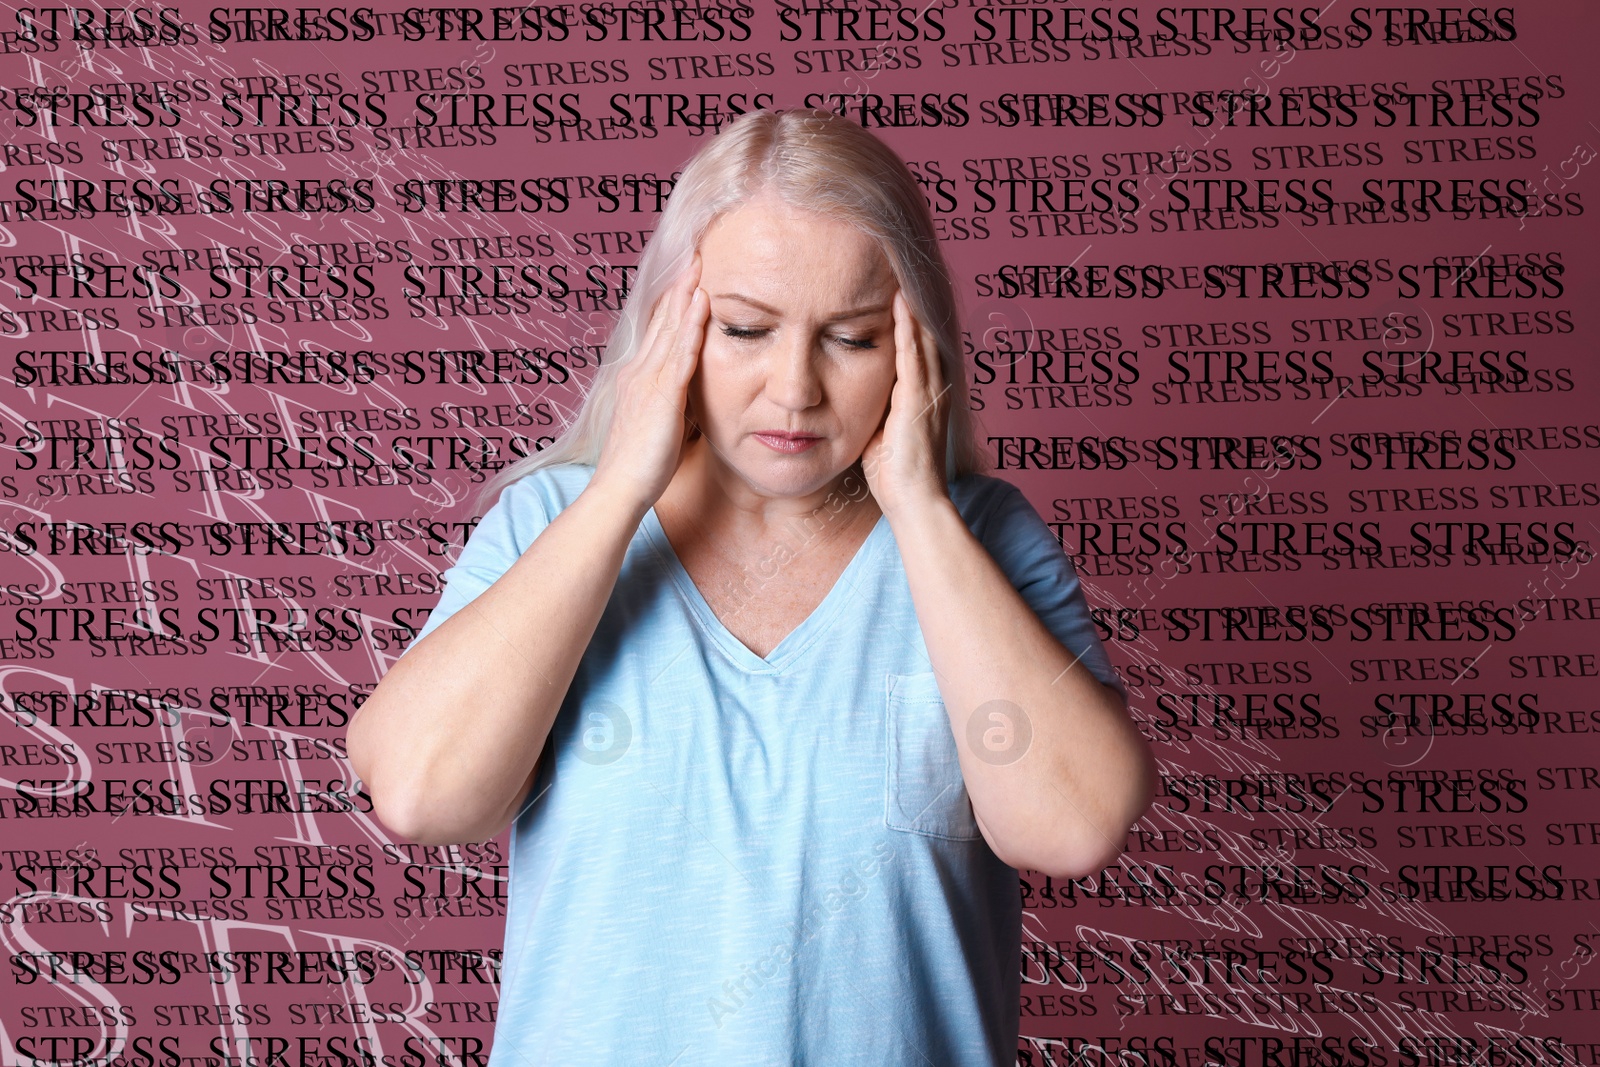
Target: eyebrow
(841,316)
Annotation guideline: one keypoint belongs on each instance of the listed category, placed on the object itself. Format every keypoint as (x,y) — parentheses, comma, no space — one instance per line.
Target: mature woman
(776,691)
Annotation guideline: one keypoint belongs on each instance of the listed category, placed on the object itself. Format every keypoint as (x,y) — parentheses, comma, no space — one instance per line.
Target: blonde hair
(814,160)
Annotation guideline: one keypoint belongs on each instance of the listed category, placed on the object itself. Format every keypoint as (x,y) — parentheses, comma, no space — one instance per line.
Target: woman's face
(800,341)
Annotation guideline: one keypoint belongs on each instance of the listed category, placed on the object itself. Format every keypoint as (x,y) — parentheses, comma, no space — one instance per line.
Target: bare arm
(448,743)
(1061,803)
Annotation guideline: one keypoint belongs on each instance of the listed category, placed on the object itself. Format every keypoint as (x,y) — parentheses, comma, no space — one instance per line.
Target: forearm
(447,741)
(1065,804)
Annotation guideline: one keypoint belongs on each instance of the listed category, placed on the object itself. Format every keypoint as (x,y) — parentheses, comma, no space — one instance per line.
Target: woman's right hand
(649,423)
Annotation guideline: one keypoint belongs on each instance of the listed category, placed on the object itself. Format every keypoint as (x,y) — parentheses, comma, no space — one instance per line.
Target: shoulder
(544,493)
(988,504)
(522,510)
(1007,524)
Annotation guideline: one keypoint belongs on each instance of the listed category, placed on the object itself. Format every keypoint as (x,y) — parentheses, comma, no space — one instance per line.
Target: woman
(777,690)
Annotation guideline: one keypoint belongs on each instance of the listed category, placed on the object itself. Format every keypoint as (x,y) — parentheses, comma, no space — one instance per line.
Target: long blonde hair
(815,160)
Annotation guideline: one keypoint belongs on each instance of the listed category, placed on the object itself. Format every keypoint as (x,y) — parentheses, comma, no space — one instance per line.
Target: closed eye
(747,333)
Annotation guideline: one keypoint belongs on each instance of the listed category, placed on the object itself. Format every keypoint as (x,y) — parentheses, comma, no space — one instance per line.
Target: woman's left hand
(904,462)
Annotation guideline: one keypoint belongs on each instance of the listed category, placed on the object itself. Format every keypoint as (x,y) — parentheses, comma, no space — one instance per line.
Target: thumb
(873,455)
(691,429)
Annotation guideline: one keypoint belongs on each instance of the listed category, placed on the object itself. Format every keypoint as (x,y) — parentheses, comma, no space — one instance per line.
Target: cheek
(722,381)
(863,391)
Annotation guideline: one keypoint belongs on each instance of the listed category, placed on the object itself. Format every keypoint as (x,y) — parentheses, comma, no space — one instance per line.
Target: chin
(789,476)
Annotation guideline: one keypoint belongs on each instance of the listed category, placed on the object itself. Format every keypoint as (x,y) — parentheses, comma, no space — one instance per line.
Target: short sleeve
(1031,557)
(499,540)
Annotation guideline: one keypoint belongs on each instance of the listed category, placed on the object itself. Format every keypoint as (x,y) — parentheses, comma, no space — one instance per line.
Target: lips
(786,441)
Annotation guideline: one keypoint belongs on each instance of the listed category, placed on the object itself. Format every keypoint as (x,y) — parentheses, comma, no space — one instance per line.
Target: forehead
(783,255)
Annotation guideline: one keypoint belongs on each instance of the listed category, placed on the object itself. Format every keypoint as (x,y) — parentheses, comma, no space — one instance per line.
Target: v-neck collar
(796,641)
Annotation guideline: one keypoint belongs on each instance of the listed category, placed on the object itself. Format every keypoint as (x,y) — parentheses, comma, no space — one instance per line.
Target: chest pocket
(925,793)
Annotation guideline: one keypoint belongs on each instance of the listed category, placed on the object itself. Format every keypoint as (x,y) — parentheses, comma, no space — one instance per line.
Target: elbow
(414,805)
(1081,855)
(401,816)
(1084,845)
(407,809)
(421,820)
(362,745)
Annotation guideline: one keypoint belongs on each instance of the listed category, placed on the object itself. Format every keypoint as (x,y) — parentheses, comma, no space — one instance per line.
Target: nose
(792,378)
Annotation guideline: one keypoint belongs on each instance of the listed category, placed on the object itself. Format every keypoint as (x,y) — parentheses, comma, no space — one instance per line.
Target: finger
(664,326)
(661,310)
(927,351)
(931,370)
(871,455)
(930,353)
(660,315)
(652,328)
(654,350)
(688,281)
(927,372)
(684,287)
(691,337)
(908,363)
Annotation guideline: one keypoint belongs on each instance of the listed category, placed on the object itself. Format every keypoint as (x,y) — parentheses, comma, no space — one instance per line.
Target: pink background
(1161,960)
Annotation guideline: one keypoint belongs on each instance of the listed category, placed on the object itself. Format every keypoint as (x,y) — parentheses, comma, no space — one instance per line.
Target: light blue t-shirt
(764,861)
